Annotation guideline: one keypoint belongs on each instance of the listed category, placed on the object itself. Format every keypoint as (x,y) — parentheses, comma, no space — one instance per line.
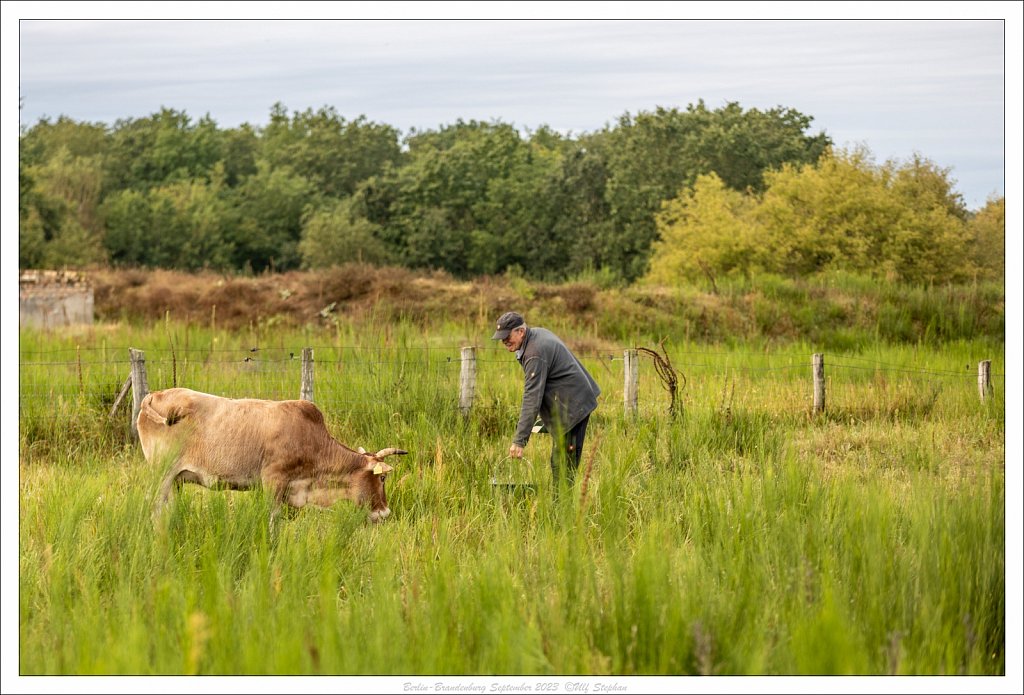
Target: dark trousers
(566,451)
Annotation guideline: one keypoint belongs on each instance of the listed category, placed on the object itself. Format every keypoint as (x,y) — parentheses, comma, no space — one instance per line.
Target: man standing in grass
(557,387)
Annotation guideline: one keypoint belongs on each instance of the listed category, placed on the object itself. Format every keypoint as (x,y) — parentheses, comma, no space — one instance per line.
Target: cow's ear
(378,467)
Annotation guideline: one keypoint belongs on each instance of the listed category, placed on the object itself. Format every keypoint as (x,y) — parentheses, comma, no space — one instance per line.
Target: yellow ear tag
(378,469)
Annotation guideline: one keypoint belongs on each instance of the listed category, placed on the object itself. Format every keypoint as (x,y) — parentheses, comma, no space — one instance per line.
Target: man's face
(514,339)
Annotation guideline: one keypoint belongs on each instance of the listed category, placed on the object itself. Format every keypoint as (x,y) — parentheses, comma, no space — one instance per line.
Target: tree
(739,146)
(438,212)
(43,140)
(183,224)
(653,156)
(162,148)
(836,214)
(130,238)
(706,230)
(986,235)
(265,223)
(337,234)
(901,220)
(929,242)
(582,225)
(58,210)
(241,147)
(333,154)
(517,221)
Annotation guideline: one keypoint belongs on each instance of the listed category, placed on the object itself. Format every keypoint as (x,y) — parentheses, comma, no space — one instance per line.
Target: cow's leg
(278,487)
(174,480)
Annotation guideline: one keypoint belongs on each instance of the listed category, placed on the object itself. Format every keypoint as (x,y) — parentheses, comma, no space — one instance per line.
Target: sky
(938,79)
(900,87)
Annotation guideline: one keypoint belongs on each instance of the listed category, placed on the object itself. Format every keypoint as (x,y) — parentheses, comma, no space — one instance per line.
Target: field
(743,534)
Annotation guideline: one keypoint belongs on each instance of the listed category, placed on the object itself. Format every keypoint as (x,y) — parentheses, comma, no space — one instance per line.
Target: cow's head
(374,472)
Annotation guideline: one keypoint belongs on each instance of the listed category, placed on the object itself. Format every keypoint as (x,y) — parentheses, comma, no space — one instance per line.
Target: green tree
(437,212)
(583,226)
(241,148)
(59,220)
(338,233)
(265,224)
(333,154)
(517,221)
(44,140)
(161,148)
(929,241)
(707,230)
(183,224)
(32,222)
(653,156)
(836,214)
(901,220)
(986,235)
(739,146)
(130,240)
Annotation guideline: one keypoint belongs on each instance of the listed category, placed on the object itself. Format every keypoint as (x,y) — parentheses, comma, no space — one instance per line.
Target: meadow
(743,534)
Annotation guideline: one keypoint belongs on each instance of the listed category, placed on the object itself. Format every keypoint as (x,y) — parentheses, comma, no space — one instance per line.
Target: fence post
(120,396)
(818,363)
(467,380)
(81,380)
(631,386)
(140,387)
(984,379)
(306,392)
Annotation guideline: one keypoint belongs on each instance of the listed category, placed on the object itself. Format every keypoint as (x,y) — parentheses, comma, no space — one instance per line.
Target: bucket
(512,475)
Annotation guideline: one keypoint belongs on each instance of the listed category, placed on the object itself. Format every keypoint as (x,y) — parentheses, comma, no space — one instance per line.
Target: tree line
(663,195)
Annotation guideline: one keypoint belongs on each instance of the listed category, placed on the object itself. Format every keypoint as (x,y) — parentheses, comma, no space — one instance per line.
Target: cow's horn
(389,451)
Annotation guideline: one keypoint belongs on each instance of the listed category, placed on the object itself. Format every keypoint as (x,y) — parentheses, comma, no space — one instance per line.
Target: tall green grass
(744,536)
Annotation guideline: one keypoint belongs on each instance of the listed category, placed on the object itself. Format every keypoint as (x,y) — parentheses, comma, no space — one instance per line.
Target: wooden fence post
(467,380)
(140,387)
(120,396)
(81,380)
(306,391)
(984,379)
(818,363)
(631,387)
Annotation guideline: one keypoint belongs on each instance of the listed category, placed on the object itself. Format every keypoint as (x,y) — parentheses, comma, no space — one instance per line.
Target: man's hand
(515,451)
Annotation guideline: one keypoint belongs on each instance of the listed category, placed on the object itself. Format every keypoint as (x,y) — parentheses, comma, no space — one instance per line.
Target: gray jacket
(557,386)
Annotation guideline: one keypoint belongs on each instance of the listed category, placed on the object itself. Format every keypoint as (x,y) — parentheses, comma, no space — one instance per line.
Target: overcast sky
(933,87)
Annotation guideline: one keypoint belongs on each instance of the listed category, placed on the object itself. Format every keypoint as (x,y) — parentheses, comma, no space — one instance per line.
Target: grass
(745,536)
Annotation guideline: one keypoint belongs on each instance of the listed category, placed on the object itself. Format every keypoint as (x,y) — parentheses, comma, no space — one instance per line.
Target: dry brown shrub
(578,297)
(347,282)
(360,292)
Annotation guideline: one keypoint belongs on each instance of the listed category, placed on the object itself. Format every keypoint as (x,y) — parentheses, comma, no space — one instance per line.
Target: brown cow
(240,443)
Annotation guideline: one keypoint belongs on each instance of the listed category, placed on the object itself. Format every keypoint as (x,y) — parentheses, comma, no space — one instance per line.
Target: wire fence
(349,380)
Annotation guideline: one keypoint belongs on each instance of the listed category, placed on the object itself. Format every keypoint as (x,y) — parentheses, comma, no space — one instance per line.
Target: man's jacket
(556,387)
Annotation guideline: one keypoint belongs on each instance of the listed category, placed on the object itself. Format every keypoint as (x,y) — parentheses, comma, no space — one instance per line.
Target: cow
(240,443)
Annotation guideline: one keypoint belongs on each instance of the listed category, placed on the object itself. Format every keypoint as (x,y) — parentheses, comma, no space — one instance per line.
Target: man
(557,388)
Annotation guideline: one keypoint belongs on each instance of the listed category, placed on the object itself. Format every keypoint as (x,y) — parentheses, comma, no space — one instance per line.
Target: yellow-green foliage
(987,231)
(900,221)
(706,228)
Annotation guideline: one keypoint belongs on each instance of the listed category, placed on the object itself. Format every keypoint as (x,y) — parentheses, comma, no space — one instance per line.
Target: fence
(349,378)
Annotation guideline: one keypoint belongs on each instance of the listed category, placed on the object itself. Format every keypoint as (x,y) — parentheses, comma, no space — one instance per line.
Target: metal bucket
(511,475)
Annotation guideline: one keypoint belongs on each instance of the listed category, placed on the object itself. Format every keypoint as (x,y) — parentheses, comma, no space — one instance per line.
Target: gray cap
(509,320)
